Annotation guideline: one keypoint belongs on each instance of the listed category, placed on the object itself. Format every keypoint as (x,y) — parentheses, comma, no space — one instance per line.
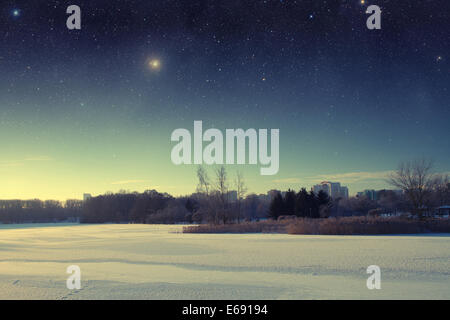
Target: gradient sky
(81,111)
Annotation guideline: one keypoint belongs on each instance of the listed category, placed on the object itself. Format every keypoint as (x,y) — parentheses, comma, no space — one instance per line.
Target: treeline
(302,204)
(221,199)
(154,207)
(388,202)
(38,211)
(310,205)
(124,207)
(149,207)
(216,204)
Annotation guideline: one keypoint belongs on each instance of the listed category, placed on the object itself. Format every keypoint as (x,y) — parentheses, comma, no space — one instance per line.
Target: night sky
(92,110)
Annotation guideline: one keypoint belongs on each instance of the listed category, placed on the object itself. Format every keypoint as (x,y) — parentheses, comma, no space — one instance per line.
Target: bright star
(16,12)
(154,64)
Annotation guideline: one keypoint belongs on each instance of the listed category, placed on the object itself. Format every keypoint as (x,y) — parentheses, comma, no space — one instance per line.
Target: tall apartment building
(333,189)
(344,192)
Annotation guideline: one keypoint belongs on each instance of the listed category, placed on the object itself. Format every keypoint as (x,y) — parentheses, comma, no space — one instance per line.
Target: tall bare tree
(221,191)
(241,190)
(416,180)
(221,184)
(203,181)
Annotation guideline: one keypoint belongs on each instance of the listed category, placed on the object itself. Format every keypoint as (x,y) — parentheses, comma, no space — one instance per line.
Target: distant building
(443,211)
(332,189)
(375,195)
(321,187)
(344,192)
(86,197)
(370,194)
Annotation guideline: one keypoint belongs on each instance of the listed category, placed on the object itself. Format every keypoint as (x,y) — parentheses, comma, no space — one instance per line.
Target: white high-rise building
(344,192)
(333,189)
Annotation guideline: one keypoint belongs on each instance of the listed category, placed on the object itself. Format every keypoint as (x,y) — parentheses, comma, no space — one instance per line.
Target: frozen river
(159,262)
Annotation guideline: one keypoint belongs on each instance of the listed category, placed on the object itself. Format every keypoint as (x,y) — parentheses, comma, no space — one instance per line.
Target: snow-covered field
(158,262)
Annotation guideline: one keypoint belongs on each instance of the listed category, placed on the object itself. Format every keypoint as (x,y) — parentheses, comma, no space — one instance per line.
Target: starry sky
(92,110)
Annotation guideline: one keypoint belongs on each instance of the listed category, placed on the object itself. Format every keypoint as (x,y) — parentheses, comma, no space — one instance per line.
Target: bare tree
(213,196)
(416,179)
(241,190)
(221,191)
(203,181)
(221,184)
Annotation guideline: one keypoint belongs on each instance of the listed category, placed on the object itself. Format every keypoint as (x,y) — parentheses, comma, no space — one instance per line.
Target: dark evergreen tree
(323,198)
(313,205)
(301,205)
(289,202)
(276,208)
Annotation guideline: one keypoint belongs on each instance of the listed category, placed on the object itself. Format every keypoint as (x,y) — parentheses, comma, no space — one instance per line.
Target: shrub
(268,226)
(361,225)
(175,212)
(367,225)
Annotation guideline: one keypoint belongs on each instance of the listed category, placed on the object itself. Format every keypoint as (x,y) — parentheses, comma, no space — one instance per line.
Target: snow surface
(159,262)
